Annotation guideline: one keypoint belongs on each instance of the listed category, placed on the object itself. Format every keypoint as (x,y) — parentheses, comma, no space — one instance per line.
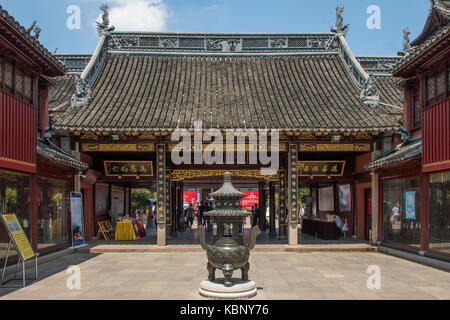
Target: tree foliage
(139,198)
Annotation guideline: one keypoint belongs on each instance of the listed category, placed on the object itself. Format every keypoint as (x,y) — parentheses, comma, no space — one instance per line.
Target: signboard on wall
(76,209)
(128,168)
(17,236)
(251,199)
(410,205)
(321,168)
(190,197)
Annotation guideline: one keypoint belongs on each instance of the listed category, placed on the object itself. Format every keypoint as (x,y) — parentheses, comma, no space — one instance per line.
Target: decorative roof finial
(28,31)
(369,94)
(37,32)
(340,27)
(82,95)
(406,46)
(103,27)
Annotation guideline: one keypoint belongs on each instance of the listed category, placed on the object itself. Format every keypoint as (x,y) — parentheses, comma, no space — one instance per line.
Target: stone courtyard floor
(278,275)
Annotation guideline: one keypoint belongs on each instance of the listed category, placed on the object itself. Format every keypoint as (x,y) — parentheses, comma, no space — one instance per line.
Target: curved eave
(29,45)
(422,54)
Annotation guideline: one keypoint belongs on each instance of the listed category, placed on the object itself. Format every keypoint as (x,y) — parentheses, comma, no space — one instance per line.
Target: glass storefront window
(53,218)
(401,211)
(14,198)
(440,212)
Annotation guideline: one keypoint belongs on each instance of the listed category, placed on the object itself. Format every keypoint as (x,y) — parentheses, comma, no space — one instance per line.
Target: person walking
(154,214)
(190,215)
(201,211)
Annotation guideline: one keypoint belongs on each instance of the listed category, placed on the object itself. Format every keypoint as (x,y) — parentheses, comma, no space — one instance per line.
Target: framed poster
(17,236)
(410,205)
(345,200)
(326,199)
(76,209)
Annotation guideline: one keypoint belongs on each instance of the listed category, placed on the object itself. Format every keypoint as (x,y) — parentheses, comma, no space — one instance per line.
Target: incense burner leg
(228,273)
(212,272)
(244,270)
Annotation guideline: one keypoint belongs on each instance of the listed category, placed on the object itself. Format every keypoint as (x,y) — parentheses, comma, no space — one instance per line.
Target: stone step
(108,248)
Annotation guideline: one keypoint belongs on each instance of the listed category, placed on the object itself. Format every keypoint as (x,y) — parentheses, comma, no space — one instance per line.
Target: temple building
(334,113)
(414,178)
(36,176)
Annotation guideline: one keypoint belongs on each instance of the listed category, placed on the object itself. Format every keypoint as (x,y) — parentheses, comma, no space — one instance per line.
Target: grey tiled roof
(62,91)
(50,151)
(145,92)
(402,152)
(53,65)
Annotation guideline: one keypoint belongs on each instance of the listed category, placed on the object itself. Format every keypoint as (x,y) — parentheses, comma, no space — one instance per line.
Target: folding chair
(102,231)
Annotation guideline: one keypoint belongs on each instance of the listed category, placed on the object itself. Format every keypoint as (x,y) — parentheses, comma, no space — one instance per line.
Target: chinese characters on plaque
(321,168)
(161,183)
(128,168)
(293,183)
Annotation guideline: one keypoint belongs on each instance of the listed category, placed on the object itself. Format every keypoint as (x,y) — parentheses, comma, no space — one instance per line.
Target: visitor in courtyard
(201,211)
(189,212)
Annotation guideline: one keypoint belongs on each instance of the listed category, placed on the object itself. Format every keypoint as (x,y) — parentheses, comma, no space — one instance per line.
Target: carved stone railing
(97,61)
(74,63)
(216,43)
(379,65)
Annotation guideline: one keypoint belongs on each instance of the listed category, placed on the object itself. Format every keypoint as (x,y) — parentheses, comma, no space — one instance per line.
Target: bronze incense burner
(227,251)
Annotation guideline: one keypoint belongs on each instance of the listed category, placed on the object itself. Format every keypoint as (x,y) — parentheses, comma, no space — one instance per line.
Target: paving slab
(278,275)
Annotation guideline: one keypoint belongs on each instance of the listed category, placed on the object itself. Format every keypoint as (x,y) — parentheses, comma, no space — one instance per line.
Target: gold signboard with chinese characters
(293,183)
(161,184)
(128,168)
(118,147)
(236,147)
(282,197)
(335,147)
(321,168)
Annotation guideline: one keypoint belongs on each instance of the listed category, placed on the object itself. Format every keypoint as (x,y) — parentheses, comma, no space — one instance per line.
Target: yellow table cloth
(125,231)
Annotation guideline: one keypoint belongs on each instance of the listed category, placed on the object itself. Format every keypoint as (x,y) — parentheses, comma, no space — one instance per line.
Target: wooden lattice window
(440,83)
(9,74)
(1,72)
(431,88)
(19,81)
(415,108)
(27,87)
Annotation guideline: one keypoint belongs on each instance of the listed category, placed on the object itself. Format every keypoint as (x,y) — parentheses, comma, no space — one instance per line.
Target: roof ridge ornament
(369,94)
(28,30)
(34,28)
(406,46)
(340,27)
(82,95)
(103,28)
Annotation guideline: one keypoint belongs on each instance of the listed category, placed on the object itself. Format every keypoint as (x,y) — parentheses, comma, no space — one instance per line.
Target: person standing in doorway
(190,215)
(154,213)
(201,211)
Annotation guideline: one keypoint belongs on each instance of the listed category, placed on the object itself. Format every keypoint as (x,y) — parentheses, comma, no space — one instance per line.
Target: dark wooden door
(367,213)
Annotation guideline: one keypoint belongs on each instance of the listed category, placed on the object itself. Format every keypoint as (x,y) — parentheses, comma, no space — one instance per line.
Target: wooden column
(161,195)
(272,209)
(282,205)
(168,205)
(179,205)
(33,212)
(173,208)
(424,212)
(293,194)
(261,205)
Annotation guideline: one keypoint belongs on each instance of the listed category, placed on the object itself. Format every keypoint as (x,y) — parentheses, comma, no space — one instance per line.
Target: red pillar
(380,209)
(33,212)
(424,212)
